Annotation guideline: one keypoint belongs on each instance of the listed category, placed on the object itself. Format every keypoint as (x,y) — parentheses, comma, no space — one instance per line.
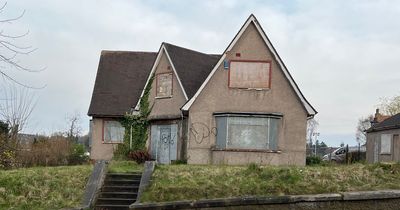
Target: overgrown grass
(124,166)
(43,187)
(191,182)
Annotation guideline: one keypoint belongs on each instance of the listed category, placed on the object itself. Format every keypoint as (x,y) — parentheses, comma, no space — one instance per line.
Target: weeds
(191,182)
(124,166)
(43,187)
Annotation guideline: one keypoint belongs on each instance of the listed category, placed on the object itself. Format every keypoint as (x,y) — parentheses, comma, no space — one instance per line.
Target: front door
(163,143)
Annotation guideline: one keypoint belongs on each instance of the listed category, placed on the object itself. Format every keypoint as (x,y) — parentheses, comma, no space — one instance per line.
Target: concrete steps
(118,191)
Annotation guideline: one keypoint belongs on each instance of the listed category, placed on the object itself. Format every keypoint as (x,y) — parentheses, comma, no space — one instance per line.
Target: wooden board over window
(250,74)
(164,85)
(386,143)
(113,132)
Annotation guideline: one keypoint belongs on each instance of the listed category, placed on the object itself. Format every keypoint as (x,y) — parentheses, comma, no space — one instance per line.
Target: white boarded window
(240,132)
(113,132)
(250,74)
(164,85)
(386,143)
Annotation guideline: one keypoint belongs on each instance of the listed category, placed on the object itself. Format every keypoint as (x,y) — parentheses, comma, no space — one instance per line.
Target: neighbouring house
(383,142)
(239,107)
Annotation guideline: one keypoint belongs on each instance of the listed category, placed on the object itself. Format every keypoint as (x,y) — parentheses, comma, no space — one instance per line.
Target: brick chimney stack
(378,118)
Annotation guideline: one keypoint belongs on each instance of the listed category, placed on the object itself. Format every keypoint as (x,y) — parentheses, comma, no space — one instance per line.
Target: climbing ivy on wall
(139,124)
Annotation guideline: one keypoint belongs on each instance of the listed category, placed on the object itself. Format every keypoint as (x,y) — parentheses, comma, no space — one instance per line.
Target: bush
(53,151)
(77,155)
(253,168)
(313,160)
(7,153)
(139,156)
(179,162)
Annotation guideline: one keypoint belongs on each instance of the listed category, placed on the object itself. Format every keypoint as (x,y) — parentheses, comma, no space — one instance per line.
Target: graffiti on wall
(201,132)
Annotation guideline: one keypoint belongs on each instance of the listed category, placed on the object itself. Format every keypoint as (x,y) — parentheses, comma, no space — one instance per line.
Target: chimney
(376,118)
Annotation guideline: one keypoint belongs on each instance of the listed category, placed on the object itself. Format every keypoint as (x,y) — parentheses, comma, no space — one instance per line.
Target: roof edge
(252,19)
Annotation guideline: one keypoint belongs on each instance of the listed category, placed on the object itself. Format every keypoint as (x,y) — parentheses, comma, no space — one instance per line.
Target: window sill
(113,142)
(385,153)
(251,89)
(161,97)
(247,150)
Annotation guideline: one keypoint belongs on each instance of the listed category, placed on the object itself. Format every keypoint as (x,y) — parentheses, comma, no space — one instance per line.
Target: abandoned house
(239,107)
(383,142)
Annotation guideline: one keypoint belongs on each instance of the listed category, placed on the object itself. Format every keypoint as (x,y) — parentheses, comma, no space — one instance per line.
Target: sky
(344,55)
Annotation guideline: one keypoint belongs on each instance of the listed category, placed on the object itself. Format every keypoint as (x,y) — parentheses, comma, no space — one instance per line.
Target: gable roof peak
(252,19)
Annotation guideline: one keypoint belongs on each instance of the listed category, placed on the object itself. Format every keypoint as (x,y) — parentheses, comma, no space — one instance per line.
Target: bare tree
(10,51)
(364,123)
(312,126)
(16,107)
(74,128)
(390,105)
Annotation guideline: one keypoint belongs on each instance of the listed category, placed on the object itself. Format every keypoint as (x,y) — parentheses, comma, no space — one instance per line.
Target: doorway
(163,142)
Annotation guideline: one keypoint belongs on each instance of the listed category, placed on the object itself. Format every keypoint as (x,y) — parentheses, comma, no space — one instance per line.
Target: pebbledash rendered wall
(373,137)
(100,150)
(218,97)
(167,110)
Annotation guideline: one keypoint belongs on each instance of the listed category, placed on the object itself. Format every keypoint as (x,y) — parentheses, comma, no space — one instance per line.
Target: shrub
(253,168)
(53,151)
(179,162)
(313,160)
(77,155)
(7,153)
(139,156)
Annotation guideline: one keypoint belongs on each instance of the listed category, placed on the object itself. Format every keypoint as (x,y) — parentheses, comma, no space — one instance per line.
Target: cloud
(344,55)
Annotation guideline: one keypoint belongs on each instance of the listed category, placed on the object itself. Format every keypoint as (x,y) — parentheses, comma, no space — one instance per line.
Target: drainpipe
(130,139)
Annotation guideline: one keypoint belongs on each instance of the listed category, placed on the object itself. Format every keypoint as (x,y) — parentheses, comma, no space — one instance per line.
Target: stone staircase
(118,191)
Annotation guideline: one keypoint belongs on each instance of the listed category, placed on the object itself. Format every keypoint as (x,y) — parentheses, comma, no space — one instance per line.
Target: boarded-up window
(246,74)
(247,132)
(113,132)
(386,143)
(164,85)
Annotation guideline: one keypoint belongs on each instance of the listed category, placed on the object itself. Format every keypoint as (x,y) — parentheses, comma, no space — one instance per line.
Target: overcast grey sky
(344,55)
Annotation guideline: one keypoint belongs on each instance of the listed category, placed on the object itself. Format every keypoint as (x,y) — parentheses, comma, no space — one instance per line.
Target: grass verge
(43,187)
(191,182)
(124,166)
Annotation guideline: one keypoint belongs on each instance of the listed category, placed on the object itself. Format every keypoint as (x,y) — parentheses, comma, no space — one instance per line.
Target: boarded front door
(163,143)
(396,148)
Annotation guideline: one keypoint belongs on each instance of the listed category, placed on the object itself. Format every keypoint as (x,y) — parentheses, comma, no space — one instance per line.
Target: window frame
(103,132)
(251,61)
(390,144)
(277,116)
(172,85)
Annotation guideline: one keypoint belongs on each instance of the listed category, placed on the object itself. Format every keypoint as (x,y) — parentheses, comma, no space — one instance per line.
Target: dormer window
(164,85)
(250,74)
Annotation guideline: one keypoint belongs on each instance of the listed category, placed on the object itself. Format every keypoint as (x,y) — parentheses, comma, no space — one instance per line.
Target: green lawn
(124,166)
(191,182)
(43,187)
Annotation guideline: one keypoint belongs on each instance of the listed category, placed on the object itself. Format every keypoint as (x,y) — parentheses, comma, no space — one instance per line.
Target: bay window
(247,131)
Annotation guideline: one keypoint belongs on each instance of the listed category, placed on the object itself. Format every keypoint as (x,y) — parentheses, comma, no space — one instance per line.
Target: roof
(252,20)
(120,79)
(192,67)
(392,122)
